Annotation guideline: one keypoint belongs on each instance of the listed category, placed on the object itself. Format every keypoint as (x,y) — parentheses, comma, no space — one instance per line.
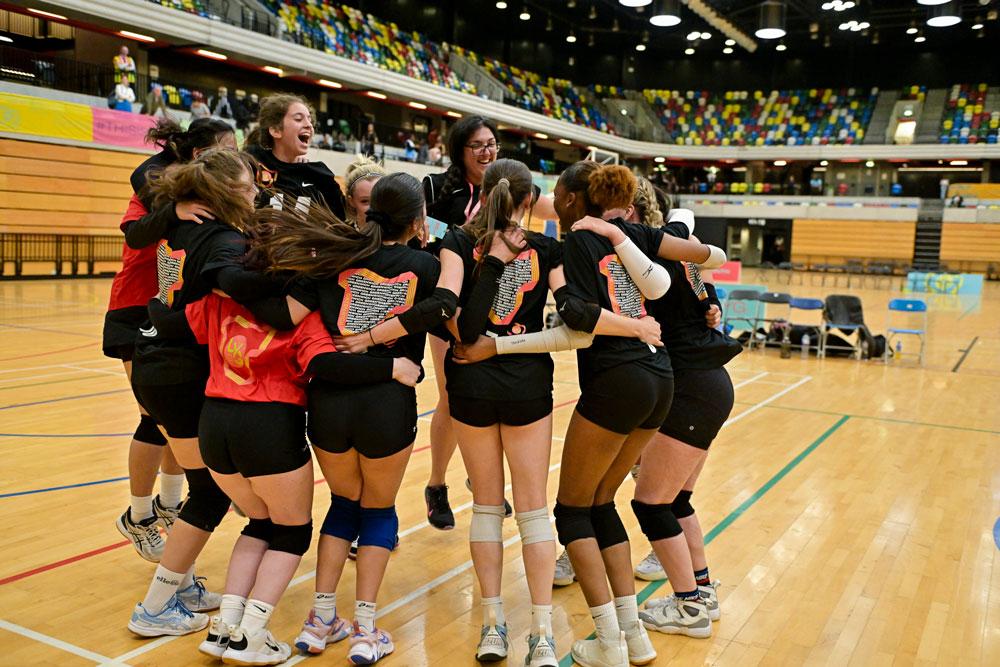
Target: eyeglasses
(480,147)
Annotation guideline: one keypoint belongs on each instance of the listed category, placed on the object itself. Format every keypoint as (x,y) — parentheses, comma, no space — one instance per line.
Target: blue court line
(424,414)
(61,488)
(996,533)
(63,435)
(64,398)
(644,594)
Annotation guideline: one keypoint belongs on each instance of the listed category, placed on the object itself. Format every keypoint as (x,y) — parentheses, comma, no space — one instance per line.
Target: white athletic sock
(256,615)
(171,489)
(493,611)
(231,609)
(325,606)
(627,611)
(606,622)
(188,579)
(364,614)
(161,589)
(541,619)
(140,507)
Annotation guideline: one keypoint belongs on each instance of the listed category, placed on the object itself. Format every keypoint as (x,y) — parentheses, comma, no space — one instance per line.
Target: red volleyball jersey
(136,283)
(254,362)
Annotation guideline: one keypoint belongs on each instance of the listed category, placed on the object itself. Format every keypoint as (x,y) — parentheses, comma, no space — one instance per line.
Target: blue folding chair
(917,309)
(721,293)
(741,312)
(815,305)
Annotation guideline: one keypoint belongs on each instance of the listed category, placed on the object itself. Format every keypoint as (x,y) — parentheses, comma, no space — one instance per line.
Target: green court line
(881,419)
(651,588)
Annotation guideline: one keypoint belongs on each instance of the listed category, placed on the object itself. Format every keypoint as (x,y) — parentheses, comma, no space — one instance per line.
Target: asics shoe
(174,619)
(196,598)
(254,648)
(492,643)
(649,569)
(541,652)
(165,516)
(144,535)
(317,635)
(564,575)
(369,646)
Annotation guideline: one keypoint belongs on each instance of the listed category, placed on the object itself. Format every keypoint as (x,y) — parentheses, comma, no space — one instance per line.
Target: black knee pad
(206,503)
(148,432)
(656,521)
(572,523)
(682,505)
(608,526)
(291,539)
(343,519)
(262,529)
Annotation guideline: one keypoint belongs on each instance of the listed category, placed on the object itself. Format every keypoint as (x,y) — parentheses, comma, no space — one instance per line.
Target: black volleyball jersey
(518,307)
(379,288)
(140,176)
(186,260)
(296,184)
(681,314)
(595,274)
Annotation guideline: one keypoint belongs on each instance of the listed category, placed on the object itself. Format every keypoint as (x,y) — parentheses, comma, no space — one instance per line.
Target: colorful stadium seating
(964,120)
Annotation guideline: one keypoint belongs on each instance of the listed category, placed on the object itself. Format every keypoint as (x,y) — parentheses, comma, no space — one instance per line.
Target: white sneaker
(678,617)
(165,516)
(369,646)
(640,649)
(197,598)
(649,569)
(217,641)
(144,535)
(492,643)
(597,653)
(564,575)
(317,635)
(254,648)
(541,652)
(635,471)
(709,595)
(174,619)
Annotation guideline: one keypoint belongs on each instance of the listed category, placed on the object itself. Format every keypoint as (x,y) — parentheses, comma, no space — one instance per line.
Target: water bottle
(864,349)
(804,351)
(899,347)
(786,347)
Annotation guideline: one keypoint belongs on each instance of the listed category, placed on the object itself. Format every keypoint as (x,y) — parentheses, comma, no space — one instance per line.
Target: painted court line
(62,488)
(758,406)
(64,398)
(53,642)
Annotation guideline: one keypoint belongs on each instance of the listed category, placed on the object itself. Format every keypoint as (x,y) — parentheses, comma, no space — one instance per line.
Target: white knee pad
(487,523)
(535,526)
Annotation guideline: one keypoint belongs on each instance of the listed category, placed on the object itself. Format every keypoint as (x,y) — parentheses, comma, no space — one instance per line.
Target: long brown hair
(603,187)
(273,110)
(216,178)
(505,185)
(318,243)
(646,204)
(179,143)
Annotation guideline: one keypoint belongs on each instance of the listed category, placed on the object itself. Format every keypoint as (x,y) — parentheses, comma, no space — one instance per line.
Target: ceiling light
(870,164)
(706,35)
(571,38)
(273,70)
(212,54)
(780,47)
(417,105)
(823,163)
(959,163)
(593,12)
(666,14)
(525,15)
(501,5)
(659,159)
(919,39)
(931,3)
(541,135)
(730,42)
(691,36)
(334,84)
(635,3)
(453,114)
(566,142)
(48,15)
(772,20)
(624,111)
(945,15)
(978,24)
(727,50)
(548,25)
(780,163)
(136,36)
(377,96)
(689,51)
(640,47)
(907,113)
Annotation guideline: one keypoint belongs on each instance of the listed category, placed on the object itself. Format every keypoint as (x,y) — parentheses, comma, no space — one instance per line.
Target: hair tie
(379,218)
(503,181)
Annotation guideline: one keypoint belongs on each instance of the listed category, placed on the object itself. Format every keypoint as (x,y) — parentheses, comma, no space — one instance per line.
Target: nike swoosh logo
(306,185)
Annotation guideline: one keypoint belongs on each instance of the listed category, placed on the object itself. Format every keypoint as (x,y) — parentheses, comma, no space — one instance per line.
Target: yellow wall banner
(977,190)
(48,118)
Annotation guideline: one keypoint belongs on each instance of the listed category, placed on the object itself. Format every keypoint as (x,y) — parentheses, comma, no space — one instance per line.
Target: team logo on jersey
(266,177)
(626,299)
(240,343)
(169,272)
(519,277)
(694,279)
(370,298)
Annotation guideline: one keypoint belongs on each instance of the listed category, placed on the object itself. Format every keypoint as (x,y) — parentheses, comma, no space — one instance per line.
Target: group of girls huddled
(276,295)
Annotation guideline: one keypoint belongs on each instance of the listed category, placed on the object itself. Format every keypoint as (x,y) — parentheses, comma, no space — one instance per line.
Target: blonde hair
(646,205)
(362,169)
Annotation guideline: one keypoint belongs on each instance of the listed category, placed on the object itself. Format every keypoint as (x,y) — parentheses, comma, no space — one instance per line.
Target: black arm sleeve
(575,312)
(246,286)
(272,311)
(430,312)
(713,296)
(344,368)
(472,320)
(171,324)
(150,228)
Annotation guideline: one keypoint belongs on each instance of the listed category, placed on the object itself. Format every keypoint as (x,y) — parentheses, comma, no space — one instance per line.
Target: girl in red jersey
(131,290)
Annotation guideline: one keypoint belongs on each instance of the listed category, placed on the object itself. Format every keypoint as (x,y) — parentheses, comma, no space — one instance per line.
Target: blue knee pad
(682,505)
(573,523)
(379,526)
(343,519)
(656,521)
(291,539)
(148,432)
(608,526)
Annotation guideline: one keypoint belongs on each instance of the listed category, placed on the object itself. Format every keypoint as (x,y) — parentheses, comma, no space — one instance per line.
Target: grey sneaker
(165,516)
(564,575)
(709,595)
(678,617)
(144,535)
(649,568)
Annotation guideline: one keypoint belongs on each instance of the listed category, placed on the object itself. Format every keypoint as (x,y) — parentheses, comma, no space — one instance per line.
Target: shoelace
(181,608)
(650,560)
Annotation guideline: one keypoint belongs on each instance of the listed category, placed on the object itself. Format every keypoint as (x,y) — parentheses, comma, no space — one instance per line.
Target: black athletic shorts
(484,412)
(252,439)
(625,398)
(376,420)
(121,326)
(703,400)
(176,407)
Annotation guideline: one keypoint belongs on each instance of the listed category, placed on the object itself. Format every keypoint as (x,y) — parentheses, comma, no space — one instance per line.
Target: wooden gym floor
(851,508)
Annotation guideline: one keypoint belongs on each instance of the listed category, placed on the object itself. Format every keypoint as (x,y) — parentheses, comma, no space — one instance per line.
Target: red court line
(42,354)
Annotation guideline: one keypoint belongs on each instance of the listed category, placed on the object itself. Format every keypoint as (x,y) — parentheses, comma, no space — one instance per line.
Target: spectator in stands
(253,111)
(156,103)
(124,64)
(220,106)
(240,111)
(409,149)
(339,144)
(422,151)
(124,95)
(369,141)
(944,183)
(198,107)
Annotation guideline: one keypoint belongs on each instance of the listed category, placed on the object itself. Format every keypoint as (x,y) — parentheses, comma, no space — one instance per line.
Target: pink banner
(121,128)
(727,273)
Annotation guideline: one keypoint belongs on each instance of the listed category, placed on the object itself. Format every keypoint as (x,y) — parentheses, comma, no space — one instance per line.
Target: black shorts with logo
(703,400)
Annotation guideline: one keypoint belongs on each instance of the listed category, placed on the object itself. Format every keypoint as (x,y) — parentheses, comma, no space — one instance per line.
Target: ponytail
(506,183)
(180,144)
(646,204)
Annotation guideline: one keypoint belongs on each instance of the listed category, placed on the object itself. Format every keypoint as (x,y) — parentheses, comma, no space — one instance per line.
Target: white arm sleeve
(556,339)
(684,215)
(716,258)
(651,278)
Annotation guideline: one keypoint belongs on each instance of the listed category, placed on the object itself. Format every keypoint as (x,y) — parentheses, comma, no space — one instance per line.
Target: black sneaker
(508,511)
(439,512)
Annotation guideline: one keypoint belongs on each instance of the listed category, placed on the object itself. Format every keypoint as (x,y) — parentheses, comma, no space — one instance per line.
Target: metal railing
(81,251)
